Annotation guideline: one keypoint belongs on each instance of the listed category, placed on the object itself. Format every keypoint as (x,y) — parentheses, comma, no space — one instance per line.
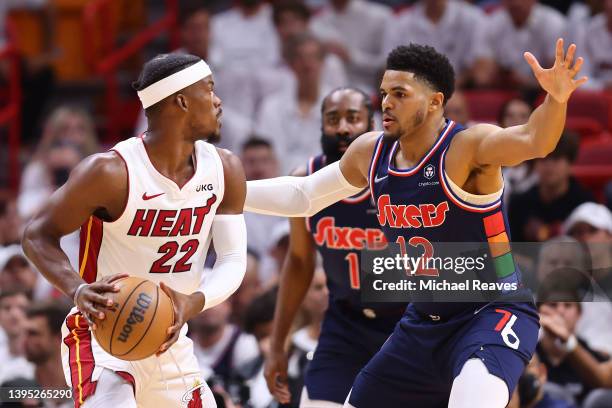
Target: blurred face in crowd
(599,242)
(18,274)
(259,162)
(345,116)
(307,62)
(516,113)
(290,23)
(12,313)
(72,127)
(553,171)
(195,33)
(40,342)
(316,300)
(249,288)
(60,160)
(559,255)
(569,312)
(519,10)
(213,320)
(457,109)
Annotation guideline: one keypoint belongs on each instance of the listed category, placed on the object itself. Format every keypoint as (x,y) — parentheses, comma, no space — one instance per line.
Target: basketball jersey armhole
(373,165)
(127,196)
(219,168)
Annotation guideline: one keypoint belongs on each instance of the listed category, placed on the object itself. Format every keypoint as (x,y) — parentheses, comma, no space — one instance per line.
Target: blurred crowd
(273,62)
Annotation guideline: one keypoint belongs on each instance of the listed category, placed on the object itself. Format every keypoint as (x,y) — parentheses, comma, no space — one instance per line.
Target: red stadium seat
(596,105)
(596,153)
(486,105)
(587,128)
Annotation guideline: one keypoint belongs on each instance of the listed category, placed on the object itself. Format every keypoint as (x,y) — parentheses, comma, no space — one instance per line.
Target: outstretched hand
(559,80)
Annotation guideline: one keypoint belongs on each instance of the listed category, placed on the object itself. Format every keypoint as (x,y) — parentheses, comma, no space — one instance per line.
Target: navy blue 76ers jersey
(340,232)
(421,205)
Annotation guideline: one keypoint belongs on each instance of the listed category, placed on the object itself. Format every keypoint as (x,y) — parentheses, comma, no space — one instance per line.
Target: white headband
(173,83)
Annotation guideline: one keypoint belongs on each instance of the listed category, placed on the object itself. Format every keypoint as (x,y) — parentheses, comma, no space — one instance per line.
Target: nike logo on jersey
(377,179)
(146,197)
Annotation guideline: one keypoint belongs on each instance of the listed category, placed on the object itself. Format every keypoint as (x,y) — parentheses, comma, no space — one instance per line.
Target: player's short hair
(161,67)
(567,148)
(367,101)
(426,64)
(290,6)
(254,142)
(53,311)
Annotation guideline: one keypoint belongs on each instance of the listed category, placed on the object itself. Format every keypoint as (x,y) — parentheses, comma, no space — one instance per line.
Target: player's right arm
(305,196)
(98,185)
(295,278)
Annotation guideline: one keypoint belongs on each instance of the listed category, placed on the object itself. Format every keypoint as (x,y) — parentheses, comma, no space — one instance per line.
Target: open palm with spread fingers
(559,80)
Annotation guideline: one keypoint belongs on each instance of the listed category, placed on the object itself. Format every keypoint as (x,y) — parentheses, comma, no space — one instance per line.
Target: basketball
(136,325)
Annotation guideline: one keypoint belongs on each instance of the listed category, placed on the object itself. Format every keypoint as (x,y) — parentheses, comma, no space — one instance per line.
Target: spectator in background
(68,136)
(304,340)
(36,71)
(591,224)
(219,345)
(243,43)
(13,306)
(249,289)
(537,214)
(532,388)
(565,252)
(292,119)
(457,109)
(194,23)
(579,15)
(260,162)
(522,25)
(560,305)
(43,334)
(354,30)
(517,179)
(11,223)
(16,273)
(291,18)
(258,322)
(595,41)
(454,28)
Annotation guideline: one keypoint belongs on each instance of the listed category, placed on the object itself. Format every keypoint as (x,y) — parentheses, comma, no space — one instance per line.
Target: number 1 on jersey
(353,261)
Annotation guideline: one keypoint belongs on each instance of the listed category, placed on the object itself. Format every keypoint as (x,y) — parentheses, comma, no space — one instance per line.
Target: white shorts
(170,380)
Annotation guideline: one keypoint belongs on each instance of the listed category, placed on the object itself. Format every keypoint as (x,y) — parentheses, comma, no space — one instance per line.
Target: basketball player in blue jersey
(435,181)
(351,332)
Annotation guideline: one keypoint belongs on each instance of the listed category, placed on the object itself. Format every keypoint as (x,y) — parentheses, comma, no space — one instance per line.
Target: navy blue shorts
(348,340)
(417,365)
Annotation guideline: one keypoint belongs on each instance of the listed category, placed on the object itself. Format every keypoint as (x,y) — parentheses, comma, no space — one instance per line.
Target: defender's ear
(436,102)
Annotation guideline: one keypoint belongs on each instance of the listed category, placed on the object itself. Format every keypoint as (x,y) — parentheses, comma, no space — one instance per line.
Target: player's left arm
(229,239)
(491,145)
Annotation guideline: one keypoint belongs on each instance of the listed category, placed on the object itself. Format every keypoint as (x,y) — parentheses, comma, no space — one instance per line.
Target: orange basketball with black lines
(136,325)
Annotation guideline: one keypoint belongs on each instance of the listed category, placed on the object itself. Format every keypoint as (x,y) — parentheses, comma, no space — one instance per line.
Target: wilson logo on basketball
(136,316)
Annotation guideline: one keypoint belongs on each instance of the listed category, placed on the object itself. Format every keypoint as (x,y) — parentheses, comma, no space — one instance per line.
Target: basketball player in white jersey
(149,207)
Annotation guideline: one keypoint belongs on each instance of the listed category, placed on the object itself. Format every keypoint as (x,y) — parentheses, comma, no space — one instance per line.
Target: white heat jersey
(164,231)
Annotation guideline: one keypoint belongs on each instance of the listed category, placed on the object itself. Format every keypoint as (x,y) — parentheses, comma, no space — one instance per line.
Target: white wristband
(569,345)
(76,292)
